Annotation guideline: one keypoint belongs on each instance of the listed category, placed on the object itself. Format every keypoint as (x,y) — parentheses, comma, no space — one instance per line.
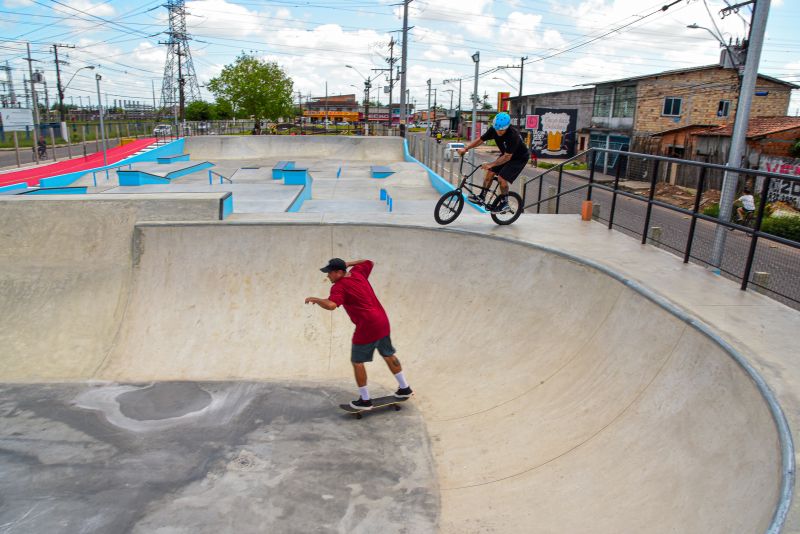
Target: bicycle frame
(475,188)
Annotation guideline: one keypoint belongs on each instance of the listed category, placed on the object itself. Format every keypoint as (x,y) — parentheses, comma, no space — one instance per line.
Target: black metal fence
(749,251)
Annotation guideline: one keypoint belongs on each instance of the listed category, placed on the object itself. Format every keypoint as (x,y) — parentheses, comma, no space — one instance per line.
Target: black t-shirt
(508,143)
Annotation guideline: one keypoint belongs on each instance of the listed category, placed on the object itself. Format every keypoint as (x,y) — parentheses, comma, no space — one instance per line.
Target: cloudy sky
(566,42)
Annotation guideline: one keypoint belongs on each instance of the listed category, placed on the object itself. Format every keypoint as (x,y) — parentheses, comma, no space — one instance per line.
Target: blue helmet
(501,121)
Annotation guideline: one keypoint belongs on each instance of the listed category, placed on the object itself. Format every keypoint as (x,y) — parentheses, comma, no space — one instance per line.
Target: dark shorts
(363,353)
(510,170)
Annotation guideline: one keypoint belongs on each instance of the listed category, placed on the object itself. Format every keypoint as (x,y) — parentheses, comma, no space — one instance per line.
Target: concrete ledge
(381,171)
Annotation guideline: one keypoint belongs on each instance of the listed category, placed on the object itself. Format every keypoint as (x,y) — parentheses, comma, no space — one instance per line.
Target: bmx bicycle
(449,206)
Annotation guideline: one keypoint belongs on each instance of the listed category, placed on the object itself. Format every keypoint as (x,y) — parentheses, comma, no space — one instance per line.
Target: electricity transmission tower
(180,81)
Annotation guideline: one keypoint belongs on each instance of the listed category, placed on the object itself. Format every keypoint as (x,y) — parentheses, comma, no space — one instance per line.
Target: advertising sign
(531,122)
(555,135)
(502,101)
(17,119)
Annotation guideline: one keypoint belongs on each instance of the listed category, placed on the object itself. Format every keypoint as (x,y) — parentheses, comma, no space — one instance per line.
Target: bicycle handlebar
(461,167)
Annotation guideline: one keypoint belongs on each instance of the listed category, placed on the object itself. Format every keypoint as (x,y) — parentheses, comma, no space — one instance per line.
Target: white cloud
(216,18)
(17,3)
(83,13)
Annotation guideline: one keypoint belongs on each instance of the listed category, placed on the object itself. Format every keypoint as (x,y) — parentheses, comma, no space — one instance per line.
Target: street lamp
(367,86)
(504,80)
(91,67)
(476,58)
(734,62)
(97,78)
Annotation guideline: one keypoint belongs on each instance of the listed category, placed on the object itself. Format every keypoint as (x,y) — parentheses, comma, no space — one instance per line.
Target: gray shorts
(363,353)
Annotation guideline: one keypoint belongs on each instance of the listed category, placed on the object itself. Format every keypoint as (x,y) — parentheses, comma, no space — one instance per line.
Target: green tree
(223,110)
(199,111)
(257,88)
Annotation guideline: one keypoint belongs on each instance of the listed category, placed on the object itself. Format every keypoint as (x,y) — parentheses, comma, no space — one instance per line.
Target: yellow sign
(337,116)
(502,101)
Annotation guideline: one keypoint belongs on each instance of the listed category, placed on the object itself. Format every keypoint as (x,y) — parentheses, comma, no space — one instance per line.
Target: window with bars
(672,106)
(624,101)
(602,101)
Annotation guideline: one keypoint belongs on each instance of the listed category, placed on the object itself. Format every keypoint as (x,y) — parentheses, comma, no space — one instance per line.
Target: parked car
(343,123)
(162,129)
(450,151)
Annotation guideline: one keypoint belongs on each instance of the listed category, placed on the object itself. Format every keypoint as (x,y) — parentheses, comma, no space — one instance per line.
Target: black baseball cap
(334,264)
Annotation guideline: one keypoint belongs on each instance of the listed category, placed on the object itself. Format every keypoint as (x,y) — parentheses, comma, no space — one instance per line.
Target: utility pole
(97,79)
(153,87)
(476,58)
(429,104)
(391,78)
(59,87)
(390,60)
(519,104)
(521,68)
(433,121)
(35,106)
(730,180)
(366,107)
(404,66)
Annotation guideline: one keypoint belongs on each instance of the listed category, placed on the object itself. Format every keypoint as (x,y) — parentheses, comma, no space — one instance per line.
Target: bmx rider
(511,162)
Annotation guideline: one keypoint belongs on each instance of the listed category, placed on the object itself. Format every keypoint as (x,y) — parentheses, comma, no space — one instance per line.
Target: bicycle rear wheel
(515,209)
(448,207)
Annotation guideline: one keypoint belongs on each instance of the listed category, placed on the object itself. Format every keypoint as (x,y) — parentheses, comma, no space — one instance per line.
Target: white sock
(401,380)
(364,392)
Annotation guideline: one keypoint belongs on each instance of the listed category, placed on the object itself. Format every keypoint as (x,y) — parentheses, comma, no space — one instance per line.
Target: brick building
(627,113)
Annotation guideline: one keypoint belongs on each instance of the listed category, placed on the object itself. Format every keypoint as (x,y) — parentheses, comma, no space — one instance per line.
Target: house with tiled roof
(766,137)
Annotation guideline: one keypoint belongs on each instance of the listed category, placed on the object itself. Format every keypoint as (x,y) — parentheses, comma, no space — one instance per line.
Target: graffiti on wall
(783,190)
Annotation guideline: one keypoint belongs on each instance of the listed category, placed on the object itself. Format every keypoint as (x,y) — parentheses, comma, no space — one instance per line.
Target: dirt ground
(684,198)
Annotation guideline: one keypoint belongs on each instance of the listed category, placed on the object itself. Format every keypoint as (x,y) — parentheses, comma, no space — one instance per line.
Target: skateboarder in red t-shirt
(352,290)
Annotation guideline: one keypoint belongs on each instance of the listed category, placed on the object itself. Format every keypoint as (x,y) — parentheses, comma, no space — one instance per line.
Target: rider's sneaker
(476,199)
(403,393)
(502,207)
(361,404)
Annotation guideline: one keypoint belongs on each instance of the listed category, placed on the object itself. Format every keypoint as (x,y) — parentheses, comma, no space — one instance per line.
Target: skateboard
(380,402)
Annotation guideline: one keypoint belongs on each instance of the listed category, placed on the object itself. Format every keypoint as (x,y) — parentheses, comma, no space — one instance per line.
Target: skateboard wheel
(396,408)
(358,416)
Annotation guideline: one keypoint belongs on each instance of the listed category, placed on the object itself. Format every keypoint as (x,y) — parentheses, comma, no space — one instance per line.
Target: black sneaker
(403,393)
(476,199)
(502,207)
(361,404)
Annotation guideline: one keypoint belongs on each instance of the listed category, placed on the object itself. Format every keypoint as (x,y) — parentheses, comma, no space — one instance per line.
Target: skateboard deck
(380,402)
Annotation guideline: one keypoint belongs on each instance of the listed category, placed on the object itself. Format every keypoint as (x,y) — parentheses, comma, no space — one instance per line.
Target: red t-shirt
(355,293)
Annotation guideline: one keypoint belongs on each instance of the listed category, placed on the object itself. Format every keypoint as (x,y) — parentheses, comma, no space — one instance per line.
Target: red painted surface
(34,174)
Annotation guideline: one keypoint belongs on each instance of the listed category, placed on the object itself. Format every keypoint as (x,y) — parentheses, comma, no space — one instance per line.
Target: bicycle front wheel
(513,212)
(448,207)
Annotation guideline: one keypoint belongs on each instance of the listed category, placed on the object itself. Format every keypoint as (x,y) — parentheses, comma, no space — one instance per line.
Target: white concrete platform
(601,381)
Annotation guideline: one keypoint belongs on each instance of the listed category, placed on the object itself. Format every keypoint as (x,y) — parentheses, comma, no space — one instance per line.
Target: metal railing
(211,175)
(779,273)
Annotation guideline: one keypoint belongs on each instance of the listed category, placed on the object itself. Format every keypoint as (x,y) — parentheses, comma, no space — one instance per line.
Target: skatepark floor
(173,381)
